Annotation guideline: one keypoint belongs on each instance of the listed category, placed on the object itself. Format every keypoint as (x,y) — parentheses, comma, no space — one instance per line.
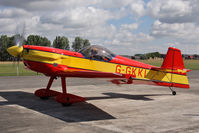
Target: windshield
(97,53)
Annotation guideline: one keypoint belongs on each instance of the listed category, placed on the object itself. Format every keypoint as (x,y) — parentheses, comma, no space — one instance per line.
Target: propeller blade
(19,38)
(17,50)
(15,65)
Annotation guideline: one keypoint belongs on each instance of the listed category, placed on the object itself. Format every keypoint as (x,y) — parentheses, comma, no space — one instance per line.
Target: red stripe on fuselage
(129,62)
(62,70)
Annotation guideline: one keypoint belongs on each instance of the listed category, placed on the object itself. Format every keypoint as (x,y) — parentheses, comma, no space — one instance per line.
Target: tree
(153,55)
(77,44)
(45,42)
(5,42)
(80,43)
(11,41)
(86,43)
(3,46)
(143,57)
(61,43)
(37,40)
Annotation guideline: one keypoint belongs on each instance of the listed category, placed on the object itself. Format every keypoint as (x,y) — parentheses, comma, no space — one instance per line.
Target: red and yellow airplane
(98,62)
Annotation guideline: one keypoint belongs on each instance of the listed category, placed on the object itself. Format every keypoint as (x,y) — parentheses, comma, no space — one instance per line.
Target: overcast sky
(123,26)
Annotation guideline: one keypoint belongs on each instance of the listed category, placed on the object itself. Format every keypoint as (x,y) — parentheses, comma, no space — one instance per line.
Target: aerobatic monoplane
(98,62)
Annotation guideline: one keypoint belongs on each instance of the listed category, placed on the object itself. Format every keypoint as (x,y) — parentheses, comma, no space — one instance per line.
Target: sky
(126,27)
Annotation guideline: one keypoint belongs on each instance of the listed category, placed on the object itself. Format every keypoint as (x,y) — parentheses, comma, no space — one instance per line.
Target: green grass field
(189,64)
(10,68)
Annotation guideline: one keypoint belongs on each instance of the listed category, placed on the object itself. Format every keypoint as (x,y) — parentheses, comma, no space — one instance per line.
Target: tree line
(149,55)
(60,42)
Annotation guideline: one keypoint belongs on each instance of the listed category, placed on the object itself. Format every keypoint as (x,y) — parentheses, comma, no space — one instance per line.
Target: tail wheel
(174,93)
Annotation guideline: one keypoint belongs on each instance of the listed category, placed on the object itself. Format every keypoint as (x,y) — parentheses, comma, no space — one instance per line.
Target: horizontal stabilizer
(178,71)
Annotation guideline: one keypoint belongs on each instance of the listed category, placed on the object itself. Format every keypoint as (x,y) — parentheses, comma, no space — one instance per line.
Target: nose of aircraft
(15,50)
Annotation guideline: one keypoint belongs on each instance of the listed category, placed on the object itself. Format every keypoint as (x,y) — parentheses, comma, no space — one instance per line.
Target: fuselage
(63,63)
(58,62)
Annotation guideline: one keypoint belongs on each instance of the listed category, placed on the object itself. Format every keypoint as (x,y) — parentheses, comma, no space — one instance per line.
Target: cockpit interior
(96,52)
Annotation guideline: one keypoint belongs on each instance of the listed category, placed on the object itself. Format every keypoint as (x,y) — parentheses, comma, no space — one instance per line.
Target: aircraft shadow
(76,113)
(111,95)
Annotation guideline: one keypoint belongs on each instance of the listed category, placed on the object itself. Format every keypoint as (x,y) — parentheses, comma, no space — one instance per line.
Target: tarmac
(108,109)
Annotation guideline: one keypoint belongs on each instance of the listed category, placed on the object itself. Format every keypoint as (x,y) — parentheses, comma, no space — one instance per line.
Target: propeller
(19,38)
(17,49)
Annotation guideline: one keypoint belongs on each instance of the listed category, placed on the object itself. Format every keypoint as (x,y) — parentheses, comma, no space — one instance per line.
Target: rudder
(173,60)
(173,63)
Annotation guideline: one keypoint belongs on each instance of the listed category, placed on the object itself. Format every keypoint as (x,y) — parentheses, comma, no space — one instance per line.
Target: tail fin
(173,60)
(173,66)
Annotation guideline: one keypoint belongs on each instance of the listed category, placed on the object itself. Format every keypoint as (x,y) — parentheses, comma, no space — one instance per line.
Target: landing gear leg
(173,92)
(67,99)
(45,93)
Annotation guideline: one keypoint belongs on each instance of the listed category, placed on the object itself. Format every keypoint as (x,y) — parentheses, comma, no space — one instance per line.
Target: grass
(189,64)
(10,68)
(157,63)
(192,64)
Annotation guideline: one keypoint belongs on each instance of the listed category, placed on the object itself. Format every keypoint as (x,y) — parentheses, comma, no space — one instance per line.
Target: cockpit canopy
(97,53)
